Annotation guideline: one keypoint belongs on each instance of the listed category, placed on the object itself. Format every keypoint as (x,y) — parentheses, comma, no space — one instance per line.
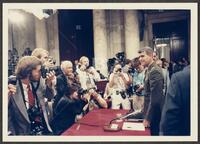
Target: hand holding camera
(117,71)
(11,89)
(82,67)
(91,70)
(139,88)
(50,77)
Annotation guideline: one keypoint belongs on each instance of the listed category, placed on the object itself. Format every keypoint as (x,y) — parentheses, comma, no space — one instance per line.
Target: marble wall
(22,34)
(33,32)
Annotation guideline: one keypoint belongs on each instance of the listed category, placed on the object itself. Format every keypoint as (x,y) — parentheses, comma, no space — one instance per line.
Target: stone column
(100,41)
(53,37)
(115,41)
(41,34)
(132,42)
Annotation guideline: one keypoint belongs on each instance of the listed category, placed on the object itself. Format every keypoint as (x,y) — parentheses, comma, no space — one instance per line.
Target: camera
(12,80)
(110,63)
(81,91)
(45,70)
(131,71)
(35,117)
(120,56)
(129,90)
(135,89)
(123,94)
(119,70)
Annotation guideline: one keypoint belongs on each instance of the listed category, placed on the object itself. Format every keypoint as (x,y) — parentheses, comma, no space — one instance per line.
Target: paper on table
(133,126)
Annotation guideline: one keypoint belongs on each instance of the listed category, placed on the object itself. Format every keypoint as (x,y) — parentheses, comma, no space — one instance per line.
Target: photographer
(118,83)
(88,76)
(43,56)
(26,108)
(138,85)
(68,106)
(127,67)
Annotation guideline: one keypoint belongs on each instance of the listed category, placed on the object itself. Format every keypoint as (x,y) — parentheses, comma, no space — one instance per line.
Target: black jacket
(176,111)
(65,109)
(153,86)
(153,97)
(65,113)
(62,88)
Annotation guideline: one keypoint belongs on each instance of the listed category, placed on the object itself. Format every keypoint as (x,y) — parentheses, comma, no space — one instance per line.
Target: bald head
(67,67)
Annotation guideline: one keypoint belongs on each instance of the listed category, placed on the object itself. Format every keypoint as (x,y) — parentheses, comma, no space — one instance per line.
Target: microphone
(126,115)
(114,127)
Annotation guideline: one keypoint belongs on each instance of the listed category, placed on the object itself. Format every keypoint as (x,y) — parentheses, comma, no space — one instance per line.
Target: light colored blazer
(18,120)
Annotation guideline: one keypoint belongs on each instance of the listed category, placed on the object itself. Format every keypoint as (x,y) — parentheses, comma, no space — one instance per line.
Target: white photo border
(193,7)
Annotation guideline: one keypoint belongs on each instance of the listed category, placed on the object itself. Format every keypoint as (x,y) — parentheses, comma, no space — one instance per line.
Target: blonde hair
(37,52)
(25,66)
(82,58)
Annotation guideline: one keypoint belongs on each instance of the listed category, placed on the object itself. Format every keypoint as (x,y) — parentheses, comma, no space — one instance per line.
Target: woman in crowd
(118,83)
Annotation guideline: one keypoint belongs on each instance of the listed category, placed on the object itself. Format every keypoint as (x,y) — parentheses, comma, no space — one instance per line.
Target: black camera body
(12,80)
(131,71)
(120,56)
(119,70)
(135,89)
(81,91)
(37,127)
(45,70)
(122,93)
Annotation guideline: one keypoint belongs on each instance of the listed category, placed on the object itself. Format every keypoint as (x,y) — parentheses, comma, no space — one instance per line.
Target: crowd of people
(47,100)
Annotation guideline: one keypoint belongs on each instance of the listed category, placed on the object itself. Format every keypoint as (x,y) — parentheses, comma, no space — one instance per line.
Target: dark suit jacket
(176,111)
(18,120)
(64,108)
(65,112)
(62,88)
(153,86)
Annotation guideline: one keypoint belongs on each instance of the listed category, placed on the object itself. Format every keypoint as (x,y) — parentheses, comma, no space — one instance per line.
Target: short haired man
(153,87)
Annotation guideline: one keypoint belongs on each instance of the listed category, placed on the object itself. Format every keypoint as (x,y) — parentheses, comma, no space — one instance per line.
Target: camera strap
(42,120)
(22,91)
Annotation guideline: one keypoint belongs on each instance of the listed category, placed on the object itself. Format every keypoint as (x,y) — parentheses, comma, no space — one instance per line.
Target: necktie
(30,97)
